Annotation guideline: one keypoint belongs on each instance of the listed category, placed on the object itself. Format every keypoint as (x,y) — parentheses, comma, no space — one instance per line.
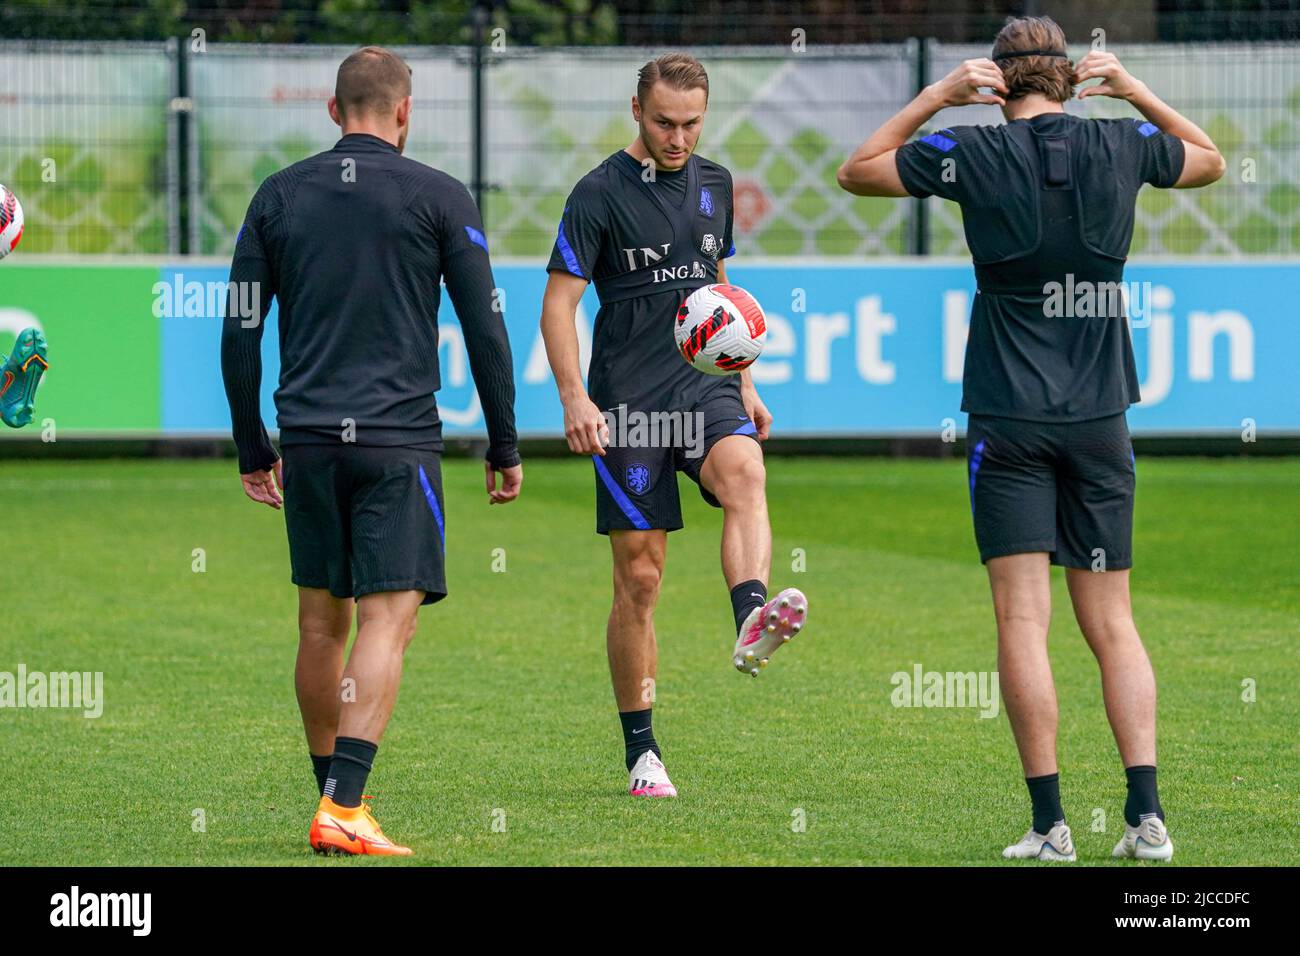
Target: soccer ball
(11,221)
(720,329)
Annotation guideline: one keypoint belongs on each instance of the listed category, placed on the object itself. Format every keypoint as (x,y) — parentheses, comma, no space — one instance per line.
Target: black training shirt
(1047,204)
(353,243)
(615,224)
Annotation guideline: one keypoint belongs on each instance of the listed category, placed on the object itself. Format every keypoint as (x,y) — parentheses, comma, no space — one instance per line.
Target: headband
(1013,53)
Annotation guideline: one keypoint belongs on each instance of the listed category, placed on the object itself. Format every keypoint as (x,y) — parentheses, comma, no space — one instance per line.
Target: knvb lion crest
(638,478)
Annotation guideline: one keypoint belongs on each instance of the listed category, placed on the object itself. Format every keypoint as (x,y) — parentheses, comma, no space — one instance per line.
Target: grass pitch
(505,747)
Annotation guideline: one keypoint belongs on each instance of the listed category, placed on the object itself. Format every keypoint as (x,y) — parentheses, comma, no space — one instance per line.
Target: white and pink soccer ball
(720,329)
(11,221)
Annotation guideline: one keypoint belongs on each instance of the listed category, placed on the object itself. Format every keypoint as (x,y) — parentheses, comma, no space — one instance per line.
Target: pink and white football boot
(767,628)
(649,778)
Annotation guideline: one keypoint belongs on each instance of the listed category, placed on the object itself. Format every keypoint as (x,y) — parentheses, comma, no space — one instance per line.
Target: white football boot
(1057,846)
(1149,840)
(767,628)
(649,778)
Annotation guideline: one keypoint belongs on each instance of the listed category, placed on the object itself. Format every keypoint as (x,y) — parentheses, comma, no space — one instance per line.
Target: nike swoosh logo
(350,835)
(641,731)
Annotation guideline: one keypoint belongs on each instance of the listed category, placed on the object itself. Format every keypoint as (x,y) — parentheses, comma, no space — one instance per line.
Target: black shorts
(363,519)
(1065,488)
(636,480)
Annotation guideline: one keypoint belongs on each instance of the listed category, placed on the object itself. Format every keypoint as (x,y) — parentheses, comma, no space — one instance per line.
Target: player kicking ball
(20,375)
(649,226)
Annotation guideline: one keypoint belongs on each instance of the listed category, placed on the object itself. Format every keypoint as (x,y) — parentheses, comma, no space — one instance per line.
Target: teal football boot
(19,377)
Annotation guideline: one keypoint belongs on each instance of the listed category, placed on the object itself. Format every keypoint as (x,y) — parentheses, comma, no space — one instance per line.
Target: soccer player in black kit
(353,242)
(1048,198)
(651,224)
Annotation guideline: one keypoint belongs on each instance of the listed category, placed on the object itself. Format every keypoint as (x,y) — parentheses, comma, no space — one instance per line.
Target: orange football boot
(350,830)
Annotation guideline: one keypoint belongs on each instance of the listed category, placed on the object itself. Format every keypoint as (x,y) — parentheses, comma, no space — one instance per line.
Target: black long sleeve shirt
(352,243)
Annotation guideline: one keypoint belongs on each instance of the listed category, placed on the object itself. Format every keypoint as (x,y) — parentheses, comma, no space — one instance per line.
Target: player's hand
(757,412)
(265,485)
(512,479)
(585,428)
(1115,80)
(961,86)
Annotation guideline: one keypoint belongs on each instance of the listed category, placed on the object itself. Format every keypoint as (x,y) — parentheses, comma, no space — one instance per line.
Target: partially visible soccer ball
(11,221)
(720,329)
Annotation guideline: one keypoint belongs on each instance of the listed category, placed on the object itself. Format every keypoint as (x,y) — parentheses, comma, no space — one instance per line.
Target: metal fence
(781,123)
(90,146)
(256,109)
(1246,97)
(157,148)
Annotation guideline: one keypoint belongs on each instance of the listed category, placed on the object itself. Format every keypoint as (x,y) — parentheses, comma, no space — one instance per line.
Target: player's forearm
(469,285)
(1169,119)
(560,335)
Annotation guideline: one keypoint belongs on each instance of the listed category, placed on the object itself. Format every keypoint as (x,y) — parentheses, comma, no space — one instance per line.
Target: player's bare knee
(324,624)
(407,632)
(392,620)
(400,625)
(742,486)
(636,585)
(1105,632)
(641,587)
(323,635)
(1022,620)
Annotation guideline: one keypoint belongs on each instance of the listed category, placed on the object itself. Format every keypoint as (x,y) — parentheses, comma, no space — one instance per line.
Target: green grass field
(506,714)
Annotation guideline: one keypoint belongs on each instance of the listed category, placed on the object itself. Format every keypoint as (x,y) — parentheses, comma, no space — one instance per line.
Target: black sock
(1142,798)
(1045,792)
(321,767)
(746,596)
(349,768)
(638,737)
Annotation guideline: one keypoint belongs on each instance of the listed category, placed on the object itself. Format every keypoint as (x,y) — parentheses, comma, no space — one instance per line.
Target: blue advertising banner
(852,350)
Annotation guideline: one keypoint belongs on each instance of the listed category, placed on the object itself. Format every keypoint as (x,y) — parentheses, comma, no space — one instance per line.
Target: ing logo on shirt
(648,256)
